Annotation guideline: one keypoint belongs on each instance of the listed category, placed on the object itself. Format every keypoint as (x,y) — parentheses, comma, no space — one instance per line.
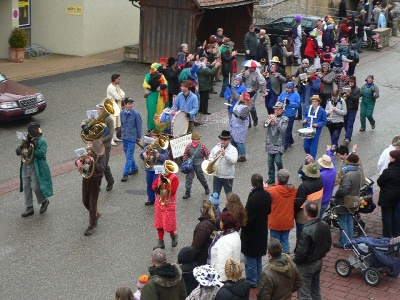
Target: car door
(280,27)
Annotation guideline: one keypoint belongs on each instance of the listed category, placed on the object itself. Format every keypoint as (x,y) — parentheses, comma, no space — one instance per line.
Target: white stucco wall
(104,25)
(7,23)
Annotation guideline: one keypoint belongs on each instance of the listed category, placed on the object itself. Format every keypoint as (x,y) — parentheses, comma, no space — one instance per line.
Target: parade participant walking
(369,94)
(280,278)
(254,234)
(280,220)
(274,86)
(276,130)
(297,37)
(314,117)
(165,187)
(187,101)
(34,171)
(91,185)
(240,125)
(352,101)
(115,92)
(291,100)
(197,152)
(312,245)
(250,43)
(232,94)
(152,155)
(327,77)
(335,111)
(226,157)
(131,132)
(312,87)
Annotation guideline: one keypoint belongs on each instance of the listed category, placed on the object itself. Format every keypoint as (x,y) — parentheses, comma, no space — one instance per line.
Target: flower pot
(16,54)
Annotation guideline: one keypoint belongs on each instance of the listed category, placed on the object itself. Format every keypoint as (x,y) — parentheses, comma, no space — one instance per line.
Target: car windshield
(2,78)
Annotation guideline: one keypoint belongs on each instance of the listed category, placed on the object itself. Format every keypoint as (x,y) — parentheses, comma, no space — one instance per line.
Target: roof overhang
(213,4)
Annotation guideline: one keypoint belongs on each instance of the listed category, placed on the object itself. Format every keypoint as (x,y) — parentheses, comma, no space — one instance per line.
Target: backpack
(354,56)
(337,62)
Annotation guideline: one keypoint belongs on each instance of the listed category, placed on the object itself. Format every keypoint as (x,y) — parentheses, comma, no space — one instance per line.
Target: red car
(18,101)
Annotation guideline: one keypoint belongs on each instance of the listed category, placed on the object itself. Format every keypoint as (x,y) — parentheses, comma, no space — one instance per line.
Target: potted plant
(18,40)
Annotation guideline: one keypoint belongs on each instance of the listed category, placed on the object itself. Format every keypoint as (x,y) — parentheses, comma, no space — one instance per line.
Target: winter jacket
(189,104)
(349,188)
(276,133)
(292,103)
(204,76)
(369,94)
(234,92)
(320,118)
(226,58)
(239,290)
(384,159)
(202,238)
(228,246)
(240,122)
(171,75)
(314,242)
(187,262)
(282,206)
(278,51)
(165,282)
(353,100)
(261,52)
(336,116)
(131,125)
(311,47)
(254,81)
(328,180)
(225,164)
(389,182)
(279,279)
(254,234)
(250,43)
(42,170)
(327,82)
(311,189)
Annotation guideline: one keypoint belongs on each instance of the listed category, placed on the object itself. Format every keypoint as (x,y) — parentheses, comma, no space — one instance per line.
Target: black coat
(262,52)
(187,262)
(254,234)
(389,182)
(171,75)
(239,290)
(226,58)
(201,238)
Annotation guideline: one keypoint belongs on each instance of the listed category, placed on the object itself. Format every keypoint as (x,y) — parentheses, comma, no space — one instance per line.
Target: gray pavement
(47,256)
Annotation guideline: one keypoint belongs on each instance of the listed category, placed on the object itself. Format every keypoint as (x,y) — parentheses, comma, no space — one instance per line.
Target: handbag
(187,166)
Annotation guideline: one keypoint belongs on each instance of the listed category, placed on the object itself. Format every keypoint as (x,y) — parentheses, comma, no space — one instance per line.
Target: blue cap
(214,198)
(290,85)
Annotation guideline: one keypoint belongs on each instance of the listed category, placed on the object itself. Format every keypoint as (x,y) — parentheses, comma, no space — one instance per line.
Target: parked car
(282,27)
(18,101)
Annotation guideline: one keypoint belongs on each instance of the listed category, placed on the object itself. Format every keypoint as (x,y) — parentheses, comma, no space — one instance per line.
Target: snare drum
(179,124)
(306,133)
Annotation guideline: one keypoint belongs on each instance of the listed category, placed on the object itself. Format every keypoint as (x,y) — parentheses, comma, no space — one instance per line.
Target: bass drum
(179,124)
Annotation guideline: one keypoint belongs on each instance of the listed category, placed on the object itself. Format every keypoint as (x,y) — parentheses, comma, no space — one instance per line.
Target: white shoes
(115,139)
(113,143)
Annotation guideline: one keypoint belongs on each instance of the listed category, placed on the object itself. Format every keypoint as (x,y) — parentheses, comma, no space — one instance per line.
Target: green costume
(369,94)
(42,170)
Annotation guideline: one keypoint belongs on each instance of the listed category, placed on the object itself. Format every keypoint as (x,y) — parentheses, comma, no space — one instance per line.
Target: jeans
(323,209)
(283,237)
(335,134)
(253,111)
(240,147)
(253,269)
(349,120)
(226,183)
(358,44)
(150,177)
(311,146)
(311,281)
(390,222)
(289,129)
(346,221)
(273,159)
(130,164)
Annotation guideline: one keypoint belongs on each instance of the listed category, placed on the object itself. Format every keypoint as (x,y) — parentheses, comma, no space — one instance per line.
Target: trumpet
(269,120)
(209,167)
(344,96)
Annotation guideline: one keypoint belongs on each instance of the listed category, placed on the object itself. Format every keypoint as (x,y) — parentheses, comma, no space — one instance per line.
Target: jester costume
(155,100)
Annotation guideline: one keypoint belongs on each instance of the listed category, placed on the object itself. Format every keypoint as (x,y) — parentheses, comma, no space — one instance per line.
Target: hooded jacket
(239,290)
(282,206)
(187,262)
(202,238)
(279,279)
(349,189)
(389,182)
(165,283)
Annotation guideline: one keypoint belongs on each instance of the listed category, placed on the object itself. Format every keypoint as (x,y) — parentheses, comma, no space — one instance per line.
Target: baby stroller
(366,206)
(371,40)
(372,257)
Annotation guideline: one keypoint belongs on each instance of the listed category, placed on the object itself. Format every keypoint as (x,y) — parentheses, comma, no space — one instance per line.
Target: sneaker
(113,143)
(362,129)
(149,203)
(270,181)
(89,231)
(28,212)
(124,178)
(186,196)
(44,206)
(174,240)
(338,245)
(133,172)
(117,139)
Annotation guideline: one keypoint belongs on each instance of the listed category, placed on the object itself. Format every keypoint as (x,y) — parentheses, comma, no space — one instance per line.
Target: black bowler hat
(225,135)
(34,129)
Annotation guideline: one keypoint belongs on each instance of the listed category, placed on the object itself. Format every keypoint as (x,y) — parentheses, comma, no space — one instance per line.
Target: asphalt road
(47,256)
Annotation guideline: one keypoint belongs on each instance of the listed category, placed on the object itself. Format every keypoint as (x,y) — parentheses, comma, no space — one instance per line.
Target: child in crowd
(214,198)
(143,279)
(232,94)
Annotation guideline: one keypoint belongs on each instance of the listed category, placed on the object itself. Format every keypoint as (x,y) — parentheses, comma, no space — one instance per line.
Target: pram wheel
(372,276)
(343,267)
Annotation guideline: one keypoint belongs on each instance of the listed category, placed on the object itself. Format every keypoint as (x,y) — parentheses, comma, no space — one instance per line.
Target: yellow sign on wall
(74,10)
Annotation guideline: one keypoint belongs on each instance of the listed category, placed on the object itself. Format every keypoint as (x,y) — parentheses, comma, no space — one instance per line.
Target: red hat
(246,96)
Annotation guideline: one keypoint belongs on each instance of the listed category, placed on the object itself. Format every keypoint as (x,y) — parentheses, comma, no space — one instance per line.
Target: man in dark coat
(166,281)
(171,74)
(204,75)
(187,262)
(277,51)
(254,235)
(314,242)
(250,43)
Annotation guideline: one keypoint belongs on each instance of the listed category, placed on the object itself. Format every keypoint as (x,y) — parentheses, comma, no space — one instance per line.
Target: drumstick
(229,80)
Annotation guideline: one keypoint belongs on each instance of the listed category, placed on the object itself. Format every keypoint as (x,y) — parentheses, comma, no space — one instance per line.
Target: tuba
(209,167)
(27,150)
(89,164)
(165,188)
(97,126)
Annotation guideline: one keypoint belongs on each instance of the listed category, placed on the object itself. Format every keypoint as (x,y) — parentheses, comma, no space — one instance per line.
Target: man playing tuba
(165,187)
(34,171)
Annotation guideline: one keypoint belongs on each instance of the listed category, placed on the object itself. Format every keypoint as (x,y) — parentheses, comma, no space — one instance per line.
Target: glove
(157,190)
(164,179)
(247,51)
(85,129)
(18,151)
(188,115)
(163,86)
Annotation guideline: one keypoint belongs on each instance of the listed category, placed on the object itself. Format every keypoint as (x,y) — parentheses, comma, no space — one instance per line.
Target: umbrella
(251,63)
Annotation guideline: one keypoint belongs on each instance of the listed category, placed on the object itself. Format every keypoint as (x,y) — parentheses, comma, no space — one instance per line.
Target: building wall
(7,23)
(104,25)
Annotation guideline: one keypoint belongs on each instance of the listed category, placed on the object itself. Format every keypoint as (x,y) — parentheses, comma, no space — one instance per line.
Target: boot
(187,195)
(160,244)
(44,206)
(207,191)
(174,240)
(28,212)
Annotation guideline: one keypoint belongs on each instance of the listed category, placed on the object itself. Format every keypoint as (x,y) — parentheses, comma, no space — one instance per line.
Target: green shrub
(18,38)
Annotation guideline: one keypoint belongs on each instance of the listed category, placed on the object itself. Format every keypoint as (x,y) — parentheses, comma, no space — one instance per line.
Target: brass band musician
(34,171)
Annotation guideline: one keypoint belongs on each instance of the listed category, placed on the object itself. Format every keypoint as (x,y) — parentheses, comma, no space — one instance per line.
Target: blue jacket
(320,119)
(292,105)
(189,104)
(310,89)
(131,125)
(228,94)
(328,179)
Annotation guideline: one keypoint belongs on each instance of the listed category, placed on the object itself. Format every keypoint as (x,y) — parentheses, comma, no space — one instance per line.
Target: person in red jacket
(344,30)
(280,220)
(311,49)
(165,187)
